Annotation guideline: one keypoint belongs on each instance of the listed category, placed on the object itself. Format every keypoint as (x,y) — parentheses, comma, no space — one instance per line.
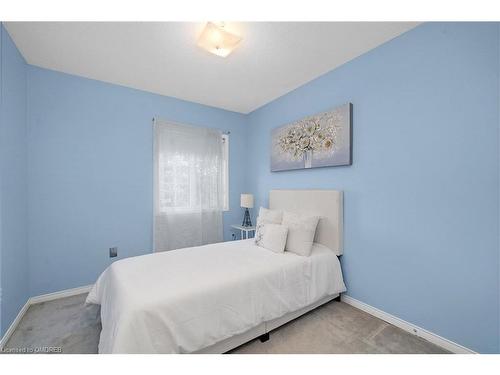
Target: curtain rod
(226,132)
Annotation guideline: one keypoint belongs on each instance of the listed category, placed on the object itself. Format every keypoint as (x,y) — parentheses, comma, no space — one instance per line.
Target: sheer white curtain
(188,189)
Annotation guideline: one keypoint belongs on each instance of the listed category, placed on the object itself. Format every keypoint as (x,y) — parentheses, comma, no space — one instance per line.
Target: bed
(213,298)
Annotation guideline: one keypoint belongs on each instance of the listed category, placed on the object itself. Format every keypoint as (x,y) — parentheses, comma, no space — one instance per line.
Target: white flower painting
(321,140)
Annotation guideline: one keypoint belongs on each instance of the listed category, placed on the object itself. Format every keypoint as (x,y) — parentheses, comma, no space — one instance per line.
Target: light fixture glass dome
(215,39)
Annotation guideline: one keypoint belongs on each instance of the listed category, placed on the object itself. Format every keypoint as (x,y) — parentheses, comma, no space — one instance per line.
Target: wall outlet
(113,252)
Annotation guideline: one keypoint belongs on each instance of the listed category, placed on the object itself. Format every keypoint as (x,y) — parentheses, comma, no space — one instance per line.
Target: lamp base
(246,219)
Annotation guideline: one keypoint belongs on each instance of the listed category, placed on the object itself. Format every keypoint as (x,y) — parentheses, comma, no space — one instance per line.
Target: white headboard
(327,204)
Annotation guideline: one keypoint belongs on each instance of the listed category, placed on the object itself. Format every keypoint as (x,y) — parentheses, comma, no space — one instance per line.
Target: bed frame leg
(337,299)
(264,337)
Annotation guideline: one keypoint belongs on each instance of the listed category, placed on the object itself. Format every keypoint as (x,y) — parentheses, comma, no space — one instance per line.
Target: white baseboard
(60,294)
(14,324)
(409,327)
(40,299)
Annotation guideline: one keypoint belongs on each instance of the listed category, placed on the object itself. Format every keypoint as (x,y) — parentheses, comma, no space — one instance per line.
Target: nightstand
(243,229)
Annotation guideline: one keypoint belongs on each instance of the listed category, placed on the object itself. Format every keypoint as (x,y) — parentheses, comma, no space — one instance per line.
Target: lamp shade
(217,40)
(246,200)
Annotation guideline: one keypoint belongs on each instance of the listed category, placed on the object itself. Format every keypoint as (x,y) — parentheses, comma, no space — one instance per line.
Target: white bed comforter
(185,300)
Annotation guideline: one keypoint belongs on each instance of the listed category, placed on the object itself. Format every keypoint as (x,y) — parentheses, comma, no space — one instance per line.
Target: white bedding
(184,300)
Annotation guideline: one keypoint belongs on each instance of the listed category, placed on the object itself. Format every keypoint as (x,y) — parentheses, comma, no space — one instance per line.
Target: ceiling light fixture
(215,39)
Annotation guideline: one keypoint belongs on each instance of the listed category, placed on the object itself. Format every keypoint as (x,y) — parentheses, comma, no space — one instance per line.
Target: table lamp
(246,201)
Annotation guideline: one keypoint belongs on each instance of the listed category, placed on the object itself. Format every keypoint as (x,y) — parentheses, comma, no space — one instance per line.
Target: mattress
(184,300)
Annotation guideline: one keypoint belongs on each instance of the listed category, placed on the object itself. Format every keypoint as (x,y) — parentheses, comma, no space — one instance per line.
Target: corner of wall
(13,181)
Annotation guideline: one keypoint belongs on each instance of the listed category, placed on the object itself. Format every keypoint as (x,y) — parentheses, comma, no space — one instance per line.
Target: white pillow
(301,231)
(273,237)
(266,217)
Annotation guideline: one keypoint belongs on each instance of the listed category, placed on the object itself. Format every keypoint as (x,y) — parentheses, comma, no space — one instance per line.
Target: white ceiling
(272,59)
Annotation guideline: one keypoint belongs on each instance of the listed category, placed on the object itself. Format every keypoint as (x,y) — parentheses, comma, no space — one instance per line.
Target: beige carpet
(336,327)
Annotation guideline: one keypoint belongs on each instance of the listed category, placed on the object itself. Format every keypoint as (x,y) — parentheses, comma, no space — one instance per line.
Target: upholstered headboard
(327,204)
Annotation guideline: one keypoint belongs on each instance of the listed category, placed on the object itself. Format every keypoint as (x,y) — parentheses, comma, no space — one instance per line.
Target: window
(225,170)
(184,177)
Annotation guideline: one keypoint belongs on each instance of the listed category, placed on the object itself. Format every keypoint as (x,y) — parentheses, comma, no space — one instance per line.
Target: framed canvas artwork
(321,140)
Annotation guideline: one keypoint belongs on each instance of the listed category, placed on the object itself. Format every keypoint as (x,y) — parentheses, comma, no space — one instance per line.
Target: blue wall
(91,173)
(421,198)
(13,182)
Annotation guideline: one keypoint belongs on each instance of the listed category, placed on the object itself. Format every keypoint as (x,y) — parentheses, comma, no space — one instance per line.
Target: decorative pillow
(301,231)
(273,237)
(266,217)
